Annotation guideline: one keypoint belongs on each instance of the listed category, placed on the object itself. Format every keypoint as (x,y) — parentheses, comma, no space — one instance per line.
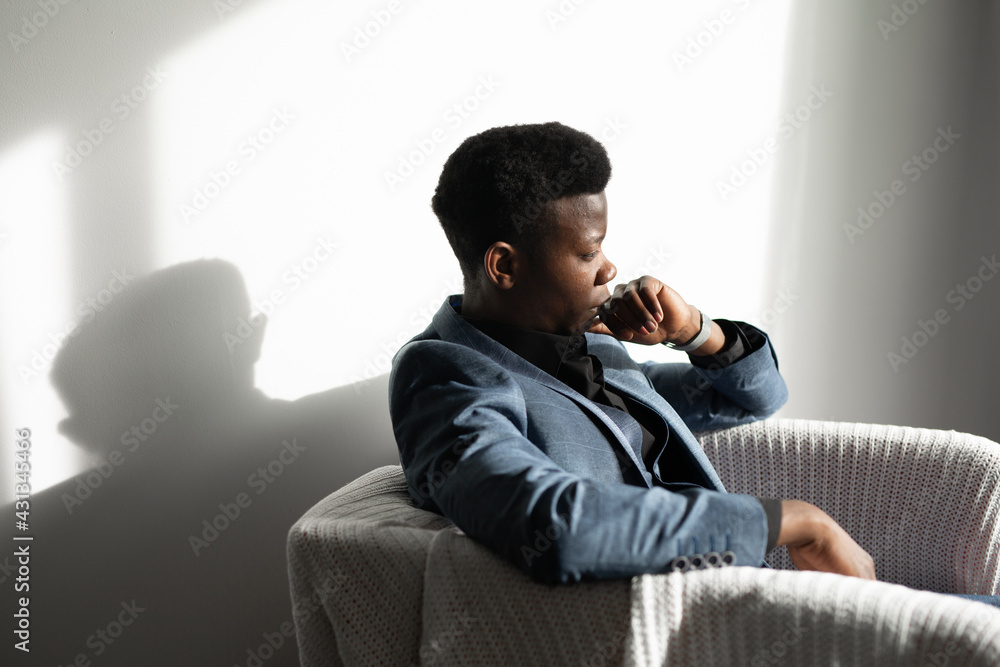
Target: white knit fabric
(356,566)
(924,503)
(401,586)
(750,616)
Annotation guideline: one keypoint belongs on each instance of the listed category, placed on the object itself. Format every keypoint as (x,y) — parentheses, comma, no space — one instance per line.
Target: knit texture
(376,581)
(924,503)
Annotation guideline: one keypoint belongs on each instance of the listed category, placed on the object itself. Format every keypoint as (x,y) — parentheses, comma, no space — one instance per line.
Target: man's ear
(502,263)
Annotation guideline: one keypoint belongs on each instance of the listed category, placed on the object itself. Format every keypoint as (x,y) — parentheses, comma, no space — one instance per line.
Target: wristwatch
(699,339)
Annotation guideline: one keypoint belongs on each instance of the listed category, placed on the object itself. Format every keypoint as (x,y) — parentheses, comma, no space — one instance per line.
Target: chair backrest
(376,581)
(356,563)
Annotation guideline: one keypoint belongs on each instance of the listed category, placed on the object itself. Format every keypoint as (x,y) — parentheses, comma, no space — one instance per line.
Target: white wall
(735,172)
(202,81)
(882,332)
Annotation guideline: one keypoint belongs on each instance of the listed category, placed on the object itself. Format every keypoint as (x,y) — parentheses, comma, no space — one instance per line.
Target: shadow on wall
(171,549)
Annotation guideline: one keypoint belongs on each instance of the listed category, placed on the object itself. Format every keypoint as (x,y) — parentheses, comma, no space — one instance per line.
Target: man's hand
(816,542)
(648,312)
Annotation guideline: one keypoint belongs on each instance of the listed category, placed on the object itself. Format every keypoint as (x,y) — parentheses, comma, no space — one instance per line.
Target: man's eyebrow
(596,237)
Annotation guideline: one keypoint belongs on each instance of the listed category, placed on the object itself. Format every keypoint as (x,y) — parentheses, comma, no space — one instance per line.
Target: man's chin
(589,325)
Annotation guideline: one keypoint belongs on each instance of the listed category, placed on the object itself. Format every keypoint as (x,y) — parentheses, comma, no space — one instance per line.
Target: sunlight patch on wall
(35,290)
(310,161)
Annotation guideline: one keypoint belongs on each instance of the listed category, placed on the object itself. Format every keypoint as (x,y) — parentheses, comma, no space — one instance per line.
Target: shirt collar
(545,350)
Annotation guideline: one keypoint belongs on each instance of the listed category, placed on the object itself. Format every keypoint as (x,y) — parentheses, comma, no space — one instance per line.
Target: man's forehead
(583,203)
(582,215)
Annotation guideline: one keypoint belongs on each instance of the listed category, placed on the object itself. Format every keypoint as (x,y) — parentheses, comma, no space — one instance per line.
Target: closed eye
(590,255)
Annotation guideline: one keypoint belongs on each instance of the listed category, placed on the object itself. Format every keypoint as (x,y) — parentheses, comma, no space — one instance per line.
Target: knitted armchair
(375,580)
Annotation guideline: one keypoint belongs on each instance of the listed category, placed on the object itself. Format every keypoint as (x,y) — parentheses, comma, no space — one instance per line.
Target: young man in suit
(520,416)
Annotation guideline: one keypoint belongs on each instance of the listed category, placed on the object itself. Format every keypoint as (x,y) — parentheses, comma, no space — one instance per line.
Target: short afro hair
(497,186)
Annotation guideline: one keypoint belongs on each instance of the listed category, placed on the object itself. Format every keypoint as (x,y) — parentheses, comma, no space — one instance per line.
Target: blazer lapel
(451,327)
(620,382)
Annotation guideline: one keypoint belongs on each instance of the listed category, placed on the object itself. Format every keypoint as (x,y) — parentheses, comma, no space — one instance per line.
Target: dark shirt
(566,358)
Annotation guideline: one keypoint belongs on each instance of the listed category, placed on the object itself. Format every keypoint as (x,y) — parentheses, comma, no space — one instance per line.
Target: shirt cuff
(772,508)
(735,348)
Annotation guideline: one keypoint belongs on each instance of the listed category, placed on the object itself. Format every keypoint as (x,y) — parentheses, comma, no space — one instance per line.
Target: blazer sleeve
(746,390)
(461,425)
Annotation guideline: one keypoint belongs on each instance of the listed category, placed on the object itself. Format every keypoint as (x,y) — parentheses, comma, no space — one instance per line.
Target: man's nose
(607,273)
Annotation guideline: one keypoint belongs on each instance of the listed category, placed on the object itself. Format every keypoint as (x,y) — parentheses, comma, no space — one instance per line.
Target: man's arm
(816,542)
(717,396)
(704,395)
(461,425)
(647,311)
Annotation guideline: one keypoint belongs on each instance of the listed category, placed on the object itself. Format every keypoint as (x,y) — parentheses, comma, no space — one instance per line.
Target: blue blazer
(555,482)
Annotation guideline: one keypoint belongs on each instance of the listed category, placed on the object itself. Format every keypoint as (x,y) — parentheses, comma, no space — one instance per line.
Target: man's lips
(603,308)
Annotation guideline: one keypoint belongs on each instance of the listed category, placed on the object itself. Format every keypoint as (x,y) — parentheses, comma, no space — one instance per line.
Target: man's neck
(476,307)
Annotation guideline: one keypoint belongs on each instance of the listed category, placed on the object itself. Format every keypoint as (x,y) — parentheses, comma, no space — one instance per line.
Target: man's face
(564,282)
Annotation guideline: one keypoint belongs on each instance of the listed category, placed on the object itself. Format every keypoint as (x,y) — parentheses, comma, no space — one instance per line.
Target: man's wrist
(734,347)
(801,522)
(688,333)
(716,336)
(694,335)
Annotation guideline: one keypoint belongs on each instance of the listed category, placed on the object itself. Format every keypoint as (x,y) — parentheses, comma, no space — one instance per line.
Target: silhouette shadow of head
(197,477)
(183,336)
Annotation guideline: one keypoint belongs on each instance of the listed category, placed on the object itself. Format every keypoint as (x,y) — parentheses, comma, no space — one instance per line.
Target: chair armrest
(356,565)
(479,609)
(754,616)
(924,503)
